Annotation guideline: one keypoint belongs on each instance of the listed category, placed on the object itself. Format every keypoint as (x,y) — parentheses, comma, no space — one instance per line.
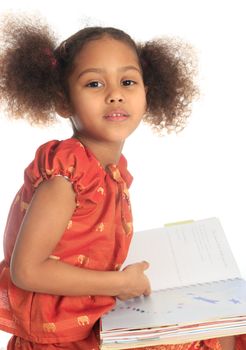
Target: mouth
(116,116)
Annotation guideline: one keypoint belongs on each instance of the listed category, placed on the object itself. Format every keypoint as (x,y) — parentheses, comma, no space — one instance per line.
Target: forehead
(106,51)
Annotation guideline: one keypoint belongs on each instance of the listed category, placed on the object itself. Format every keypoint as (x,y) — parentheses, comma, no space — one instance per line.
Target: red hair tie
(51,56)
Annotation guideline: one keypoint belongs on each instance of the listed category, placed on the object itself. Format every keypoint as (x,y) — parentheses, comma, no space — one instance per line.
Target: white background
(196,174)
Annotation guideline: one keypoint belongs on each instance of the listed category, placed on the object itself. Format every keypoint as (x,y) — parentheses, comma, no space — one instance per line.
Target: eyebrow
(101,70)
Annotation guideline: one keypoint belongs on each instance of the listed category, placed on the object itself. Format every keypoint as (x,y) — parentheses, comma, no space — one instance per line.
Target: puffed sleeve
(68,158)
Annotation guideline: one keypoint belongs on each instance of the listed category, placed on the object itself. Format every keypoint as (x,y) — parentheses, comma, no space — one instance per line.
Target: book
(197,289)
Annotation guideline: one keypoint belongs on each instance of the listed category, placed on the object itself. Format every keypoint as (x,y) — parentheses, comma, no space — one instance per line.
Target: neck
(105,152)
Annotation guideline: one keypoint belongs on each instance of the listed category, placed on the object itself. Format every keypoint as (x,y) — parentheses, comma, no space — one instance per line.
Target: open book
(197,290)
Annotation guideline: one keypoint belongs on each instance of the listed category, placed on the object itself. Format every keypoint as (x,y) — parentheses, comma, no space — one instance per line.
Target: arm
(31,269)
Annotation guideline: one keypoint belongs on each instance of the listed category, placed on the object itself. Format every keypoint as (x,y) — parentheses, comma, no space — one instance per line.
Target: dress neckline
(115,171)
(108,166)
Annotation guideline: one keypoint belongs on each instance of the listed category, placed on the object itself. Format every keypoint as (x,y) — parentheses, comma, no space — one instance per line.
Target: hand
(136,283)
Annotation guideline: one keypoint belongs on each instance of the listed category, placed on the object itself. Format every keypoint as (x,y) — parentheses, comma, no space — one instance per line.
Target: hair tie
(51,56)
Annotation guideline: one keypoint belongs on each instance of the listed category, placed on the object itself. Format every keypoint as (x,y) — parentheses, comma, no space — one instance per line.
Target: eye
(94,84)
(128,82)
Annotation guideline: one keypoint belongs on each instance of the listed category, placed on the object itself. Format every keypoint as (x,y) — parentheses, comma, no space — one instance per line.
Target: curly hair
(33,69)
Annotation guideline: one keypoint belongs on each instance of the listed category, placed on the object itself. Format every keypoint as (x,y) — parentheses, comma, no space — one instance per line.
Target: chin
(117,137)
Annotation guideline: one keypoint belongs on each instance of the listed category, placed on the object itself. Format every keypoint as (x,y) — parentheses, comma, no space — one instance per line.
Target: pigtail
(169,68)
(28,70)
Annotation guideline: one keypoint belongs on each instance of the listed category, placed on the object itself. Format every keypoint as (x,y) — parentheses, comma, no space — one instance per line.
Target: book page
(184,254)
(178,306)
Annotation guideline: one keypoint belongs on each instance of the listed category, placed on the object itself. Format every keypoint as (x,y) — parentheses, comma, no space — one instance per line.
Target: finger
(147,291)
(145,265)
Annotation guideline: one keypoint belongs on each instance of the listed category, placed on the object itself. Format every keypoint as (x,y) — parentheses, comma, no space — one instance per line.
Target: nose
(115,96)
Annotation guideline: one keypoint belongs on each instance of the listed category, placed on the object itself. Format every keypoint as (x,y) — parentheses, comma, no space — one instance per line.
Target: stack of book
(197,290)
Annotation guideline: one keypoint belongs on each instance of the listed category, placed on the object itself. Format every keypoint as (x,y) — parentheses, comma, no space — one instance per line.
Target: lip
(116,115)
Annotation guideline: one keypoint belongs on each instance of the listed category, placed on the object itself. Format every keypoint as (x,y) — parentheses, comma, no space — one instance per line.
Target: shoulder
(65,149)
(68,158)
(62,154)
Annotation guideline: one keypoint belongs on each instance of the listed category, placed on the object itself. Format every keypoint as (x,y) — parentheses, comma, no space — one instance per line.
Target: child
(70,224)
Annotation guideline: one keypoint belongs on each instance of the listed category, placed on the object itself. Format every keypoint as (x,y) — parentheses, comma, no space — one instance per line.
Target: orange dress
(97,237)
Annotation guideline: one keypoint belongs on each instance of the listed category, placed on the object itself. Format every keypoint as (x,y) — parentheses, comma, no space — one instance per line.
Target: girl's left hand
(136,283)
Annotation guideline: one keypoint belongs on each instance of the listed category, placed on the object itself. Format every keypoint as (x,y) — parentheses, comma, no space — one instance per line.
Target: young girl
(70,225)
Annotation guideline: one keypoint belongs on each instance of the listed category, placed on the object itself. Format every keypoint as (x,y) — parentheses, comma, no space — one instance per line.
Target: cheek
(83,111)
(90,104)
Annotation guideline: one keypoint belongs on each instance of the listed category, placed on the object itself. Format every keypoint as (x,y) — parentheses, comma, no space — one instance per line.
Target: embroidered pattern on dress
(128,227)
(82,259)
(17,199)
(100,227)
(83,320)
(100,190)
(4,300)
(70,169)
(70,224)
(49,327)
(23,205)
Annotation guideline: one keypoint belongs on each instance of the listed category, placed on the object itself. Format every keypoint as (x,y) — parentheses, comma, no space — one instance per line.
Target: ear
(62,106)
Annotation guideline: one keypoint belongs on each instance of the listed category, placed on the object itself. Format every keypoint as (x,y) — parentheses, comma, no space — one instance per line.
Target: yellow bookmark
(179,223)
